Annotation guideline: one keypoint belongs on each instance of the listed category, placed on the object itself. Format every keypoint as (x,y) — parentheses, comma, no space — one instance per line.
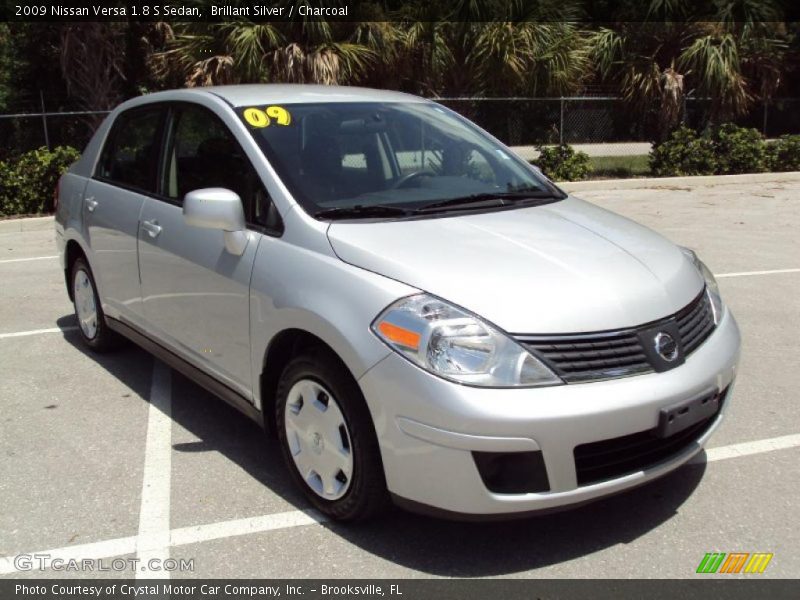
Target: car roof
(288,93)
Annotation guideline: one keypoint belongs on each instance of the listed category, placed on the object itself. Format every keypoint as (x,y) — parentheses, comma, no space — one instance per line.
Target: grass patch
(620,167)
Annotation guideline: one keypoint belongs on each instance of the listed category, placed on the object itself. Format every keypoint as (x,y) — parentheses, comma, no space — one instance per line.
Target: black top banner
(586,11)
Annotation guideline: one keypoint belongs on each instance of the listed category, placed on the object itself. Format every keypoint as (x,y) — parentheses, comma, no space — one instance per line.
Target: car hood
(564,267)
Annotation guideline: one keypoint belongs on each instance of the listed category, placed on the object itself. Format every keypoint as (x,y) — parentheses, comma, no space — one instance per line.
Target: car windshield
(389,159)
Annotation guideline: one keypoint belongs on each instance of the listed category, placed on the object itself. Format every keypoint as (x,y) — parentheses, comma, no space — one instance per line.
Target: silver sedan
(418,315)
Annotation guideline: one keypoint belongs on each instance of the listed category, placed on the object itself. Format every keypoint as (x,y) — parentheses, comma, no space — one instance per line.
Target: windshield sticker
(280,114)
(257,117)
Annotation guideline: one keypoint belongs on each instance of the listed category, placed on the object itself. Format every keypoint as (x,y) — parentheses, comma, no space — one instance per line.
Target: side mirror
(218,208)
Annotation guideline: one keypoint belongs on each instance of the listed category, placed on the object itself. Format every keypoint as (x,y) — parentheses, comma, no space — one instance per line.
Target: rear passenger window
(203,153)
(130,156)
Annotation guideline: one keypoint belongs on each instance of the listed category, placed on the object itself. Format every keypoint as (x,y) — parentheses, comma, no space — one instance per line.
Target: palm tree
(241,50)
(492,48)
(435,48)
(534,49)
(92,57)
(732,59)
(640,60)
(316,51)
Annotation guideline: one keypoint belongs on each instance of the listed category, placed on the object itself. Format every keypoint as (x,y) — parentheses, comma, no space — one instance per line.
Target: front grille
(696,322)
(608,459)
(590,357)
(609,354)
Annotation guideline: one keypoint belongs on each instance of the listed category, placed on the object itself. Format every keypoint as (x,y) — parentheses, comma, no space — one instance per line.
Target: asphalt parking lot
(107,456)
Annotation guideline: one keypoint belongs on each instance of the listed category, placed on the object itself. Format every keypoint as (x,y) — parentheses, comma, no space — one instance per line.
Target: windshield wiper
(360,211)
(365,211)
(500,197)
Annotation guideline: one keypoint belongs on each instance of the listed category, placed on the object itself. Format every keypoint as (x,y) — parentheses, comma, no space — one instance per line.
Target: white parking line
(12,260)
(93,550)
(153,540)
(297,518)
(16,334)
(756,447)
(16,260)
(180,537)
(225,529)
(750,273)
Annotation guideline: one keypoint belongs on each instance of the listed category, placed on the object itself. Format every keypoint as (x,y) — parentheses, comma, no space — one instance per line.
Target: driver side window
(203,153)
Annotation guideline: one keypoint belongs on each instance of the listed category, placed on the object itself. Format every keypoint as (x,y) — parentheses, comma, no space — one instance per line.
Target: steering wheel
(404,179)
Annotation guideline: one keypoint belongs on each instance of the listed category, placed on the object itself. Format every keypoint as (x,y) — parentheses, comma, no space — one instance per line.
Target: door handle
(152,228)
(91,204)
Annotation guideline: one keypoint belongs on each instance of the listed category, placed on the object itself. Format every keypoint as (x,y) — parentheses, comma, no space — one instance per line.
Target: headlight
(456,345)
(712,288)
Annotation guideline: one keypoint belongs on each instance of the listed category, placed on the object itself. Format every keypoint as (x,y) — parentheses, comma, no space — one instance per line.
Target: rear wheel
(327,438)
(91,320)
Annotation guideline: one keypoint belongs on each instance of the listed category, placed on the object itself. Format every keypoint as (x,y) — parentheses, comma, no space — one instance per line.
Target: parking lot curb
(26,224)
(672,182)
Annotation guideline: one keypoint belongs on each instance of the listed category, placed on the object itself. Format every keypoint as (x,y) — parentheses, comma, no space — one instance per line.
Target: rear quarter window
(130,155)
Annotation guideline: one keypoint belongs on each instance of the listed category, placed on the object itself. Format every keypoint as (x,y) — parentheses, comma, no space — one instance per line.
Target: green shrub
(784,154)
(684,153)
(28,181)
(726,150)
(738,150)
(563,163)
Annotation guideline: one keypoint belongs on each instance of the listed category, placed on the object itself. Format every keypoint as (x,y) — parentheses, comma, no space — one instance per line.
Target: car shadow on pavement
(428,545)
(468,549)
(130,364)
(217,426)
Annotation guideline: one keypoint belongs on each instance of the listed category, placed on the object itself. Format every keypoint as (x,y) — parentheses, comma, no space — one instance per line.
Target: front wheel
(327,438)
(91,320)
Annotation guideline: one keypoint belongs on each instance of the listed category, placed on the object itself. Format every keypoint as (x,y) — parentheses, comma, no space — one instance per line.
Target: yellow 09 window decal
(280,114)
(257,117)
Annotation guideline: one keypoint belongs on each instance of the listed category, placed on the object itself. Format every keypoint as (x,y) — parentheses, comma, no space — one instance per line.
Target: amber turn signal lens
(399,335)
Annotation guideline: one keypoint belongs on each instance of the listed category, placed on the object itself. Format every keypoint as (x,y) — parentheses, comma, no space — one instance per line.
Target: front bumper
(428,428)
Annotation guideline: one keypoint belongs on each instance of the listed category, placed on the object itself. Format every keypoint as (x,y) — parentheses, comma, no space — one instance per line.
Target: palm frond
(714,63)
(249,43)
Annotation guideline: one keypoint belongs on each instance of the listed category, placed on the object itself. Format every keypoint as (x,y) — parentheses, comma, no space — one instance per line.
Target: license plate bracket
(674,419)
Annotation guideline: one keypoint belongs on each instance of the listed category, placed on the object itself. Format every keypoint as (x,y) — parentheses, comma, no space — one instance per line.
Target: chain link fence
(600,126)
(603,126)
(20,132)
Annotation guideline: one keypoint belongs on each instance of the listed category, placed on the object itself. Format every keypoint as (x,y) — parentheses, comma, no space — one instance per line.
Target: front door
(195,293)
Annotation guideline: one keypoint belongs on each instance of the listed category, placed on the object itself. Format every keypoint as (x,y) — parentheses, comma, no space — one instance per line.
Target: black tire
(104,339)
(367,495)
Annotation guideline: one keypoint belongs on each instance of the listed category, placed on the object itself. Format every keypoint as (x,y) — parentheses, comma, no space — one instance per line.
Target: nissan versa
(419,315)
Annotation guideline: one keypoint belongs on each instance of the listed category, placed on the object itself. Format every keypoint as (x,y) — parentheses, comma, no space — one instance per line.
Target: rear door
(196,293)
(126,172)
